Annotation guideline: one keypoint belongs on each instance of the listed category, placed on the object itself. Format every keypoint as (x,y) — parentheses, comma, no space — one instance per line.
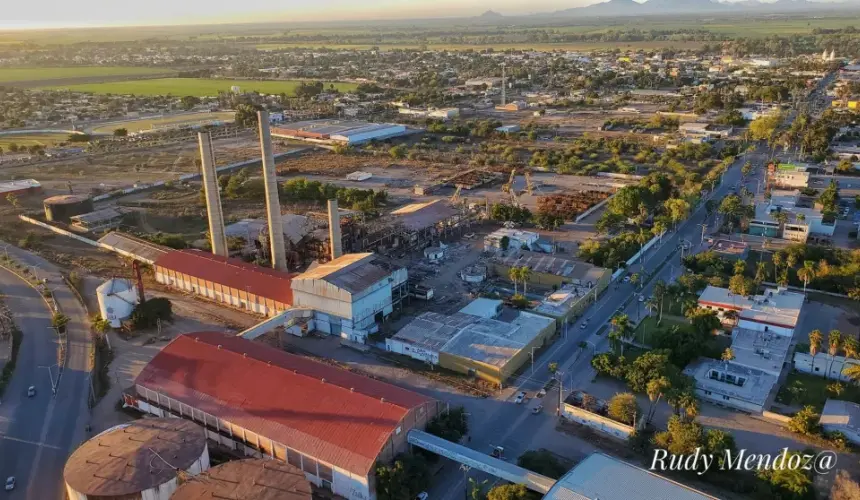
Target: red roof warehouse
(333,423)
(228,280)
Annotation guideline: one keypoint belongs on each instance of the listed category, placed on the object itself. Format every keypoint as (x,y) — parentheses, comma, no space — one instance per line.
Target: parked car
(422,496)
(537,409)
(520,398)
(31,391)
(10,483)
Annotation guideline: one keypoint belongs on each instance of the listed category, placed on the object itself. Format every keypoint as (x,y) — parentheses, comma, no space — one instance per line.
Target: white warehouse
(350,295)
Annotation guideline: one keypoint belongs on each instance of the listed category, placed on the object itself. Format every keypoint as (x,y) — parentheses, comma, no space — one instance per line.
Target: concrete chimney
(273,205)
(213,198)
(334,230)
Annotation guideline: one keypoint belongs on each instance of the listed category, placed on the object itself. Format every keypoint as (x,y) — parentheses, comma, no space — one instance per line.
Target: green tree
(787,483)
(552,367)
(189,102)
(649,366)
(655,389)
(120,132)
(514,275)
(805,421)
(621,329)
(764,128)
(246,115)
(740,285)
(510,492)
(834,341)
(543,462)
(806,273)
(404,479)
(398,152)
(476,489)
(678,209)
(624,408)
(681,437)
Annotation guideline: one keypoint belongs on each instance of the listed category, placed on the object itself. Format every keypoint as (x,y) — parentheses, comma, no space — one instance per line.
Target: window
(726,398)
(294,458)
(817,369)
(707,393)
(325,473)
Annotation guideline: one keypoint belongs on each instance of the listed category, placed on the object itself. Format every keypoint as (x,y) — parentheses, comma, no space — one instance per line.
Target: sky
(20,14)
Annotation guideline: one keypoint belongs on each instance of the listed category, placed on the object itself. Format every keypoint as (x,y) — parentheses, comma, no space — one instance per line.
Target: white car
(10,483)
(626,279)
(31,391)
(520,398)
(641,298)
(422,496)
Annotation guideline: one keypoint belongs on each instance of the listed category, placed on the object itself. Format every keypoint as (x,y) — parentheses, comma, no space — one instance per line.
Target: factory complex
(349,132)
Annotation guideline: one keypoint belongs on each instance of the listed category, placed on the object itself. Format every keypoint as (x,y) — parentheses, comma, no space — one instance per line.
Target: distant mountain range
(626,8)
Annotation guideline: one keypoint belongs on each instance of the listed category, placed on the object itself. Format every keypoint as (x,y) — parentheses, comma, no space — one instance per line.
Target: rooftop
(233,273)
(841,413)
(119,460)
(764,351)
(432,330)
(776,306)
(142,249)
(514,234)
(18,185)
(559,302)
(248,479)
(755,388)
(105,214)
(352,272)
(417,216)
(579,272)
(730,247)
(483,307)
(295,228)
(601,477)
(334,415)
(494,342)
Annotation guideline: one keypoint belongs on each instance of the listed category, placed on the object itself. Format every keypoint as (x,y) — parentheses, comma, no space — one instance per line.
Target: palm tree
(660,292)
(852,371)
(651,304)
(760,270)
(728,355)
(815,338)
(688,405)
(655,389)
(834,340)
(525,274)
(777,261)
(806,273)
(615,343)
(620,324)
(514,275)
(740,267)
(850,347)
(790,261)
(476,489)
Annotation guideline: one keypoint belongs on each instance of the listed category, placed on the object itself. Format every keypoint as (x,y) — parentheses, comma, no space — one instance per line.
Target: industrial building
(262,402)
(99,220)
(133,247)
(549,270)
(777,310)
(476,345)
(229,281)
(142,459)
(349,132)
(350,294)
(19,188)
(601,477)
(515,238)
(247,479)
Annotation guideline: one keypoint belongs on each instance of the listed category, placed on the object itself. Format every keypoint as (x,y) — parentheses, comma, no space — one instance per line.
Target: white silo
(117,298)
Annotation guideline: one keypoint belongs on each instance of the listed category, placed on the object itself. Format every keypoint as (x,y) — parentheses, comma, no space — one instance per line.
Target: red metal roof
(234,273)
(326,412)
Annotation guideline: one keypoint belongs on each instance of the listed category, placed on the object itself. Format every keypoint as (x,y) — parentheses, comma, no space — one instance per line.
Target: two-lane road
(38,434)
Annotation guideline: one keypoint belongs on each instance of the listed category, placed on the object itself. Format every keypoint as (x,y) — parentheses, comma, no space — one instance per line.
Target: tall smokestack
(213,199)
(273,205)
(334,230)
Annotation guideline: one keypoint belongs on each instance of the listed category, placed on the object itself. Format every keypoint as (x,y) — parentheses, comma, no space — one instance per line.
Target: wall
(214,291)
(823,365)
(759,327)
(850,434)
(597,422)
(733,402)
(411,350)
(468,366)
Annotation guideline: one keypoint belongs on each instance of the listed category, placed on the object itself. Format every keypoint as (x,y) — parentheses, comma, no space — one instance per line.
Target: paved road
(512,426)
(38,434)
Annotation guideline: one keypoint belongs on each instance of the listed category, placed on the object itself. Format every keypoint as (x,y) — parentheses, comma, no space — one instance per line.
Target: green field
(200,87)
(148,123)
(13,75)
(25,140)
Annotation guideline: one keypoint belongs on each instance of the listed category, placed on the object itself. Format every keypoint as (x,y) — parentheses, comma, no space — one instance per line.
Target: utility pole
(504,86)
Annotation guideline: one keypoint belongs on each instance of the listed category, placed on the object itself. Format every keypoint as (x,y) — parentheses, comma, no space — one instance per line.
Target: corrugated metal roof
(326,412)
(19,185)
(144,250)
(104,214)
(417,216)
(601,477)
(247,479)
(353,272)
(234,273)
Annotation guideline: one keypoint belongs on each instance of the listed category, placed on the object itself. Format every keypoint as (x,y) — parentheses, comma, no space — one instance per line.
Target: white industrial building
(128,461)
(777,310)
(516,239)
(350,294)
(338,131)
(731,385)
(117,299)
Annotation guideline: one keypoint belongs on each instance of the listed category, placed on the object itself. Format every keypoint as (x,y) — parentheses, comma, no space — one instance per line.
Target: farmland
(200,87)
(10,76)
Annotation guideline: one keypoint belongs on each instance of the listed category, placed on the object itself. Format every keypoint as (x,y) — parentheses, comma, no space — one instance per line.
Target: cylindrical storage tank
(61,208)
(137,460)
(248,479)
(117,298)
